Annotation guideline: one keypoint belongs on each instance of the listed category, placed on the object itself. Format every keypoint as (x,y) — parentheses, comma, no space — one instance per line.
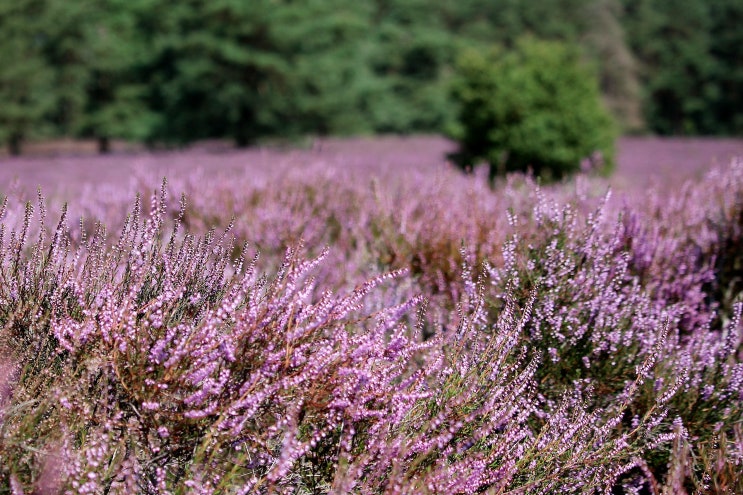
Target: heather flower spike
(430,334)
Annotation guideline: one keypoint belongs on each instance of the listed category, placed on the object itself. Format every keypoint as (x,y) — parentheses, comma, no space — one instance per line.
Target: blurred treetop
(176,71)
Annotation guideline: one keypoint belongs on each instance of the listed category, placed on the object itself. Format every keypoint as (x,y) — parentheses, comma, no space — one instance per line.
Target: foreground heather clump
(406,333)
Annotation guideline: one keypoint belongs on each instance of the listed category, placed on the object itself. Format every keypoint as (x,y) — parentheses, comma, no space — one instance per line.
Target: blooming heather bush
(451,339)
(595,324)
(165,367)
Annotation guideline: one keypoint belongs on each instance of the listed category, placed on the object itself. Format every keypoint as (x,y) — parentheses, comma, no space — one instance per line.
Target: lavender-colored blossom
(402,331)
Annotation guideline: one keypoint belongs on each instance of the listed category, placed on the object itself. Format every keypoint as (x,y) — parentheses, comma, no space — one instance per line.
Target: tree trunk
(14,144)
(104,145)
(243,131)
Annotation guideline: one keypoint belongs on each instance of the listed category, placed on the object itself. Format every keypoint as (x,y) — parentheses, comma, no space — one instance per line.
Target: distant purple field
(359,317)
(640,160)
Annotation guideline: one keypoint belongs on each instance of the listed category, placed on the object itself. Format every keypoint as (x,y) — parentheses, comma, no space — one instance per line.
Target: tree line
(170,72)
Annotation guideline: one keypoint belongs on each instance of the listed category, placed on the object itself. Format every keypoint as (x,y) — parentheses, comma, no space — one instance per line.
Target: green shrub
(536,107)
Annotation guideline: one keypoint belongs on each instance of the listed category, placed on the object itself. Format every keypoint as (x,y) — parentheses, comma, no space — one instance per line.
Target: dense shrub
(452,339)
(536,107)
(156,365)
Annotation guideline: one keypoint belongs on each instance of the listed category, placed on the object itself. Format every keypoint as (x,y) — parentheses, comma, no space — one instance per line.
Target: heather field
(359,316)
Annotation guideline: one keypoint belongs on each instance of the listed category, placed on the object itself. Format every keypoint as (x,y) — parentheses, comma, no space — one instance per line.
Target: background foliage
(174,72)
(535,106)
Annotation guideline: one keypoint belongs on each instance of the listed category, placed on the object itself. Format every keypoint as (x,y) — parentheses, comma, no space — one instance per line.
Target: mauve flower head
(402,331)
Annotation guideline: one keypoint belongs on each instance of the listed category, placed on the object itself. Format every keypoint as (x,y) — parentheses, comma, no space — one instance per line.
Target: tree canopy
(535,106)
(177,71)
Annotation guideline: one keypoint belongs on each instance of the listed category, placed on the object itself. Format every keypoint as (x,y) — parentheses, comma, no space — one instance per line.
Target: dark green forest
(171,72)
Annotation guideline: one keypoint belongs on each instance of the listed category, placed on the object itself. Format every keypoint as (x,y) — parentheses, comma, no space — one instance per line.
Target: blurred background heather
(81,75)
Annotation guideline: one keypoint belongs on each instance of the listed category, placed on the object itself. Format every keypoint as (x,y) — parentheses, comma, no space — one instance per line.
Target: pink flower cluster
(401,332)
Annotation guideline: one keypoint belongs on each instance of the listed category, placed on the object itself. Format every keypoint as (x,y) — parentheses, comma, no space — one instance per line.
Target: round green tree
(534,107)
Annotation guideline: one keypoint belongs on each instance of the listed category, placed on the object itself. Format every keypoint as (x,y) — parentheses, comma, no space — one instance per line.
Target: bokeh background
(136,73)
